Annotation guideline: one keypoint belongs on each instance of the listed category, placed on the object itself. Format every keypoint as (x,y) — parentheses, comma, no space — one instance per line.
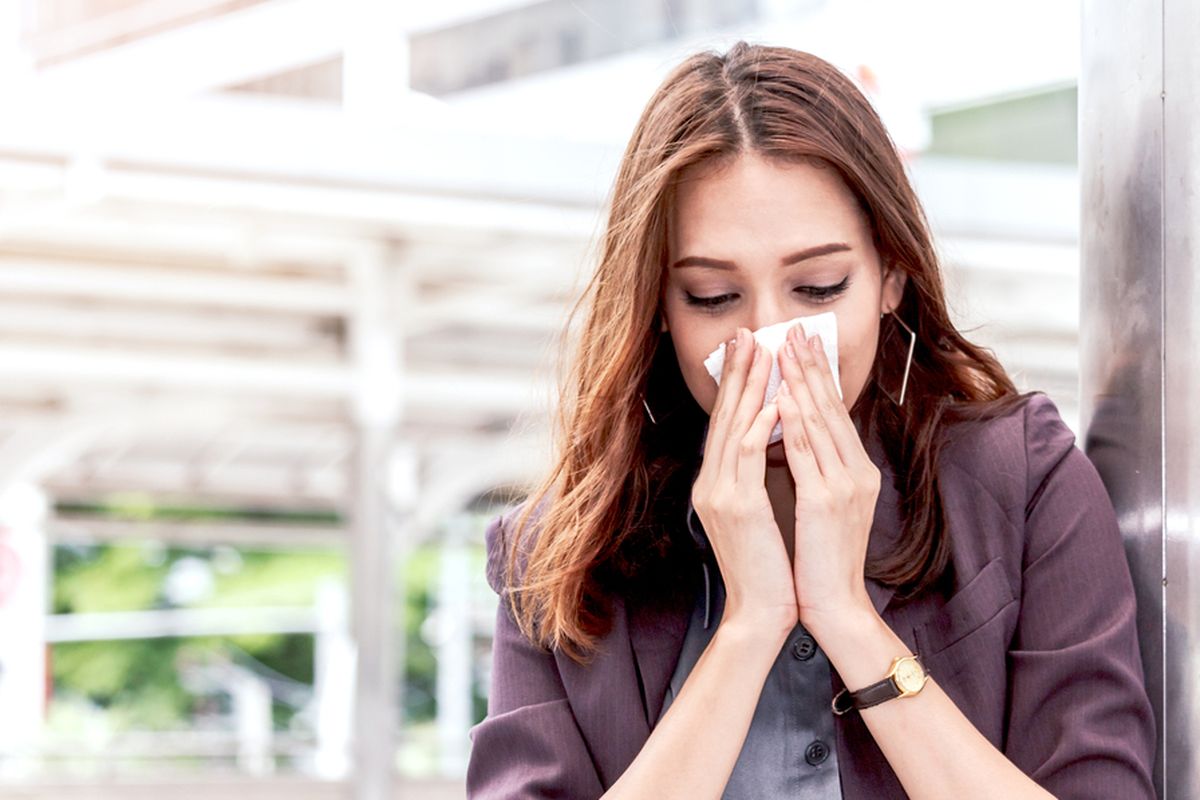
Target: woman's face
(754,242)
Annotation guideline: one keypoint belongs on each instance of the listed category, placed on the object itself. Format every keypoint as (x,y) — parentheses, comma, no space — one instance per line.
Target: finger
(752,459)
(750,403)
(722,406)
(820,381)
(815,425)
(801,460)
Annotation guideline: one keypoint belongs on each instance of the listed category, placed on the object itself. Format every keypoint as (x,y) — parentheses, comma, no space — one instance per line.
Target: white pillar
(333,681)
(23,607)
(453,648)
(251,697)
(375,409)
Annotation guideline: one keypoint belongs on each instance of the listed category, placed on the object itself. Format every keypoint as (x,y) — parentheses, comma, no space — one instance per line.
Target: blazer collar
(656,634)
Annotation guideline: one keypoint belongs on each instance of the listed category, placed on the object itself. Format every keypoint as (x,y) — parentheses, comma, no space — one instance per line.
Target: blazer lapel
(605,698)
(656,635)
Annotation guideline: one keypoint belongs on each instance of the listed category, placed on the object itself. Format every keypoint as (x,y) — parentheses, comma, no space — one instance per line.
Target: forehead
(752,202)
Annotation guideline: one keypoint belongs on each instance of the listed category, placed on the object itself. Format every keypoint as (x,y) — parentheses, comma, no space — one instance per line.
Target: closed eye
(817,294)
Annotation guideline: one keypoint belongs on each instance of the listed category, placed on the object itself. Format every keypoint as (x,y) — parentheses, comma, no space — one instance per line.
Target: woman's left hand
(836,486)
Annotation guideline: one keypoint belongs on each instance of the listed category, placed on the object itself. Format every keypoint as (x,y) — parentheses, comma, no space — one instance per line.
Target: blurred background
(280,283)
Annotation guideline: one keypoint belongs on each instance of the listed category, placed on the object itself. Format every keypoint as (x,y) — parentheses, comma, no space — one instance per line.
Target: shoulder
(501,537)
(497,545)
(1009,454)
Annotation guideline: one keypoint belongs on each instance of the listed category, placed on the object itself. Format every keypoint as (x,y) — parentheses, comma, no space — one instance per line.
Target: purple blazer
(1036,643)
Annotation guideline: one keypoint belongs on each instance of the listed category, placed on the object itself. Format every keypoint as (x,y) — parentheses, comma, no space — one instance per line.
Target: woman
(919,591)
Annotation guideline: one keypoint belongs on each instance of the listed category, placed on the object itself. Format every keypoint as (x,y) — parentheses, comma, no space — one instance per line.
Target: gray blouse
(790,749)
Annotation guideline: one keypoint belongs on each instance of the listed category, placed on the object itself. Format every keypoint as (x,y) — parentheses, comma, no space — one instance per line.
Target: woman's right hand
(730,495)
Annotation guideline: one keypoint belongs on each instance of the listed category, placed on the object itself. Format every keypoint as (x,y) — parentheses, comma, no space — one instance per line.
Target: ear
(894,278)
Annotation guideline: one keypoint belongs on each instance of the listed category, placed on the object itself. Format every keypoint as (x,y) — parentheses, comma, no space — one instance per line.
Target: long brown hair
(609,505)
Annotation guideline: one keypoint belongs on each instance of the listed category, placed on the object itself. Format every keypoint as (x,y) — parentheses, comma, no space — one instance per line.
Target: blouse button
(816,752)
(804,648)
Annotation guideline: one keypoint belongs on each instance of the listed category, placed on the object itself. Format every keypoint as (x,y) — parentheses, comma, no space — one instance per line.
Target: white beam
(343,210)
(429,16)
(174,285)
(167,233)
(32,452)
(218,51)
(109,625)
(156,326)
(259,140)
(463,392)
(460,470)
(75,529)
(478,309)
(281,494)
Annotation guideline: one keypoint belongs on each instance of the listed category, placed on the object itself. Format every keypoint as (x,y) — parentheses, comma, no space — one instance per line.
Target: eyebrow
(794,258)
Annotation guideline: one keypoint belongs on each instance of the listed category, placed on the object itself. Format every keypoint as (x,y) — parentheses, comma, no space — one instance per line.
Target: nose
(767,310)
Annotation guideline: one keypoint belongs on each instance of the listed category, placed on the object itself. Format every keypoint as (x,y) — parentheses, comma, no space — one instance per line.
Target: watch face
(909,675)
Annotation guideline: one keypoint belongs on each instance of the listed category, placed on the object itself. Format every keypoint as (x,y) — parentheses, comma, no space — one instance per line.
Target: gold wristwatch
(906,677)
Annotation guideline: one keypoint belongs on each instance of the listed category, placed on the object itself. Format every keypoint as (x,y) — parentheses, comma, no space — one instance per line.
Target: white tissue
(773,337)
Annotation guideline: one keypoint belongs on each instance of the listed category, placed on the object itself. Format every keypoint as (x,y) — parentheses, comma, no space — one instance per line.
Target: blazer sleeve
(1080,722)
(529,744)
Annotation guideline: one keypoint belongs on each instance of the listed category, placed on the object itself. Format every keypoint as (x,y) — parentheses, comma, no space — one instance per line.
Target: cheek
(701,384)
(691,348)
(856,356)
(693,337)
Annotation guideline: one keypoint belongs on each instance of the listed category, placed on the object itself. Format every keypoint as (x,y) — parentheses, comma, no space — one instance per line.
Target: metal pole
(1140,331)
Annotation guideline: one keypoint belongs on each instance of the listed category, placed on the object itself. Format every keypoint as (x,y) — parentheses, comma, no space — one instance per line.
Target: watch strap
(868,696)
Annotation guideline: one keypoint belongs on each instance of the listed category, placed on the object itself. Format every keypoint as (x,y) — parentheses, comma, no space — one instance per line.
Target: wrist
(849,618)
(860,647)
(758,627)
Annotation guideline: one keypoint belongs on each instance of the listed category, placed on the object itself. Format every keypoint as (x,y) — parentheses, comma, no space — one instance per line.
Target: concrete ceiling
(179,279)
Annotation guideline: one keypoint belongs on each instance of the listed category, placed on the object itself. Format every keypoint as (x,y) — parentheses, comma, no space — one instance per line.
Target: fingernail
(791,351)
(783,387)
(815,342)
